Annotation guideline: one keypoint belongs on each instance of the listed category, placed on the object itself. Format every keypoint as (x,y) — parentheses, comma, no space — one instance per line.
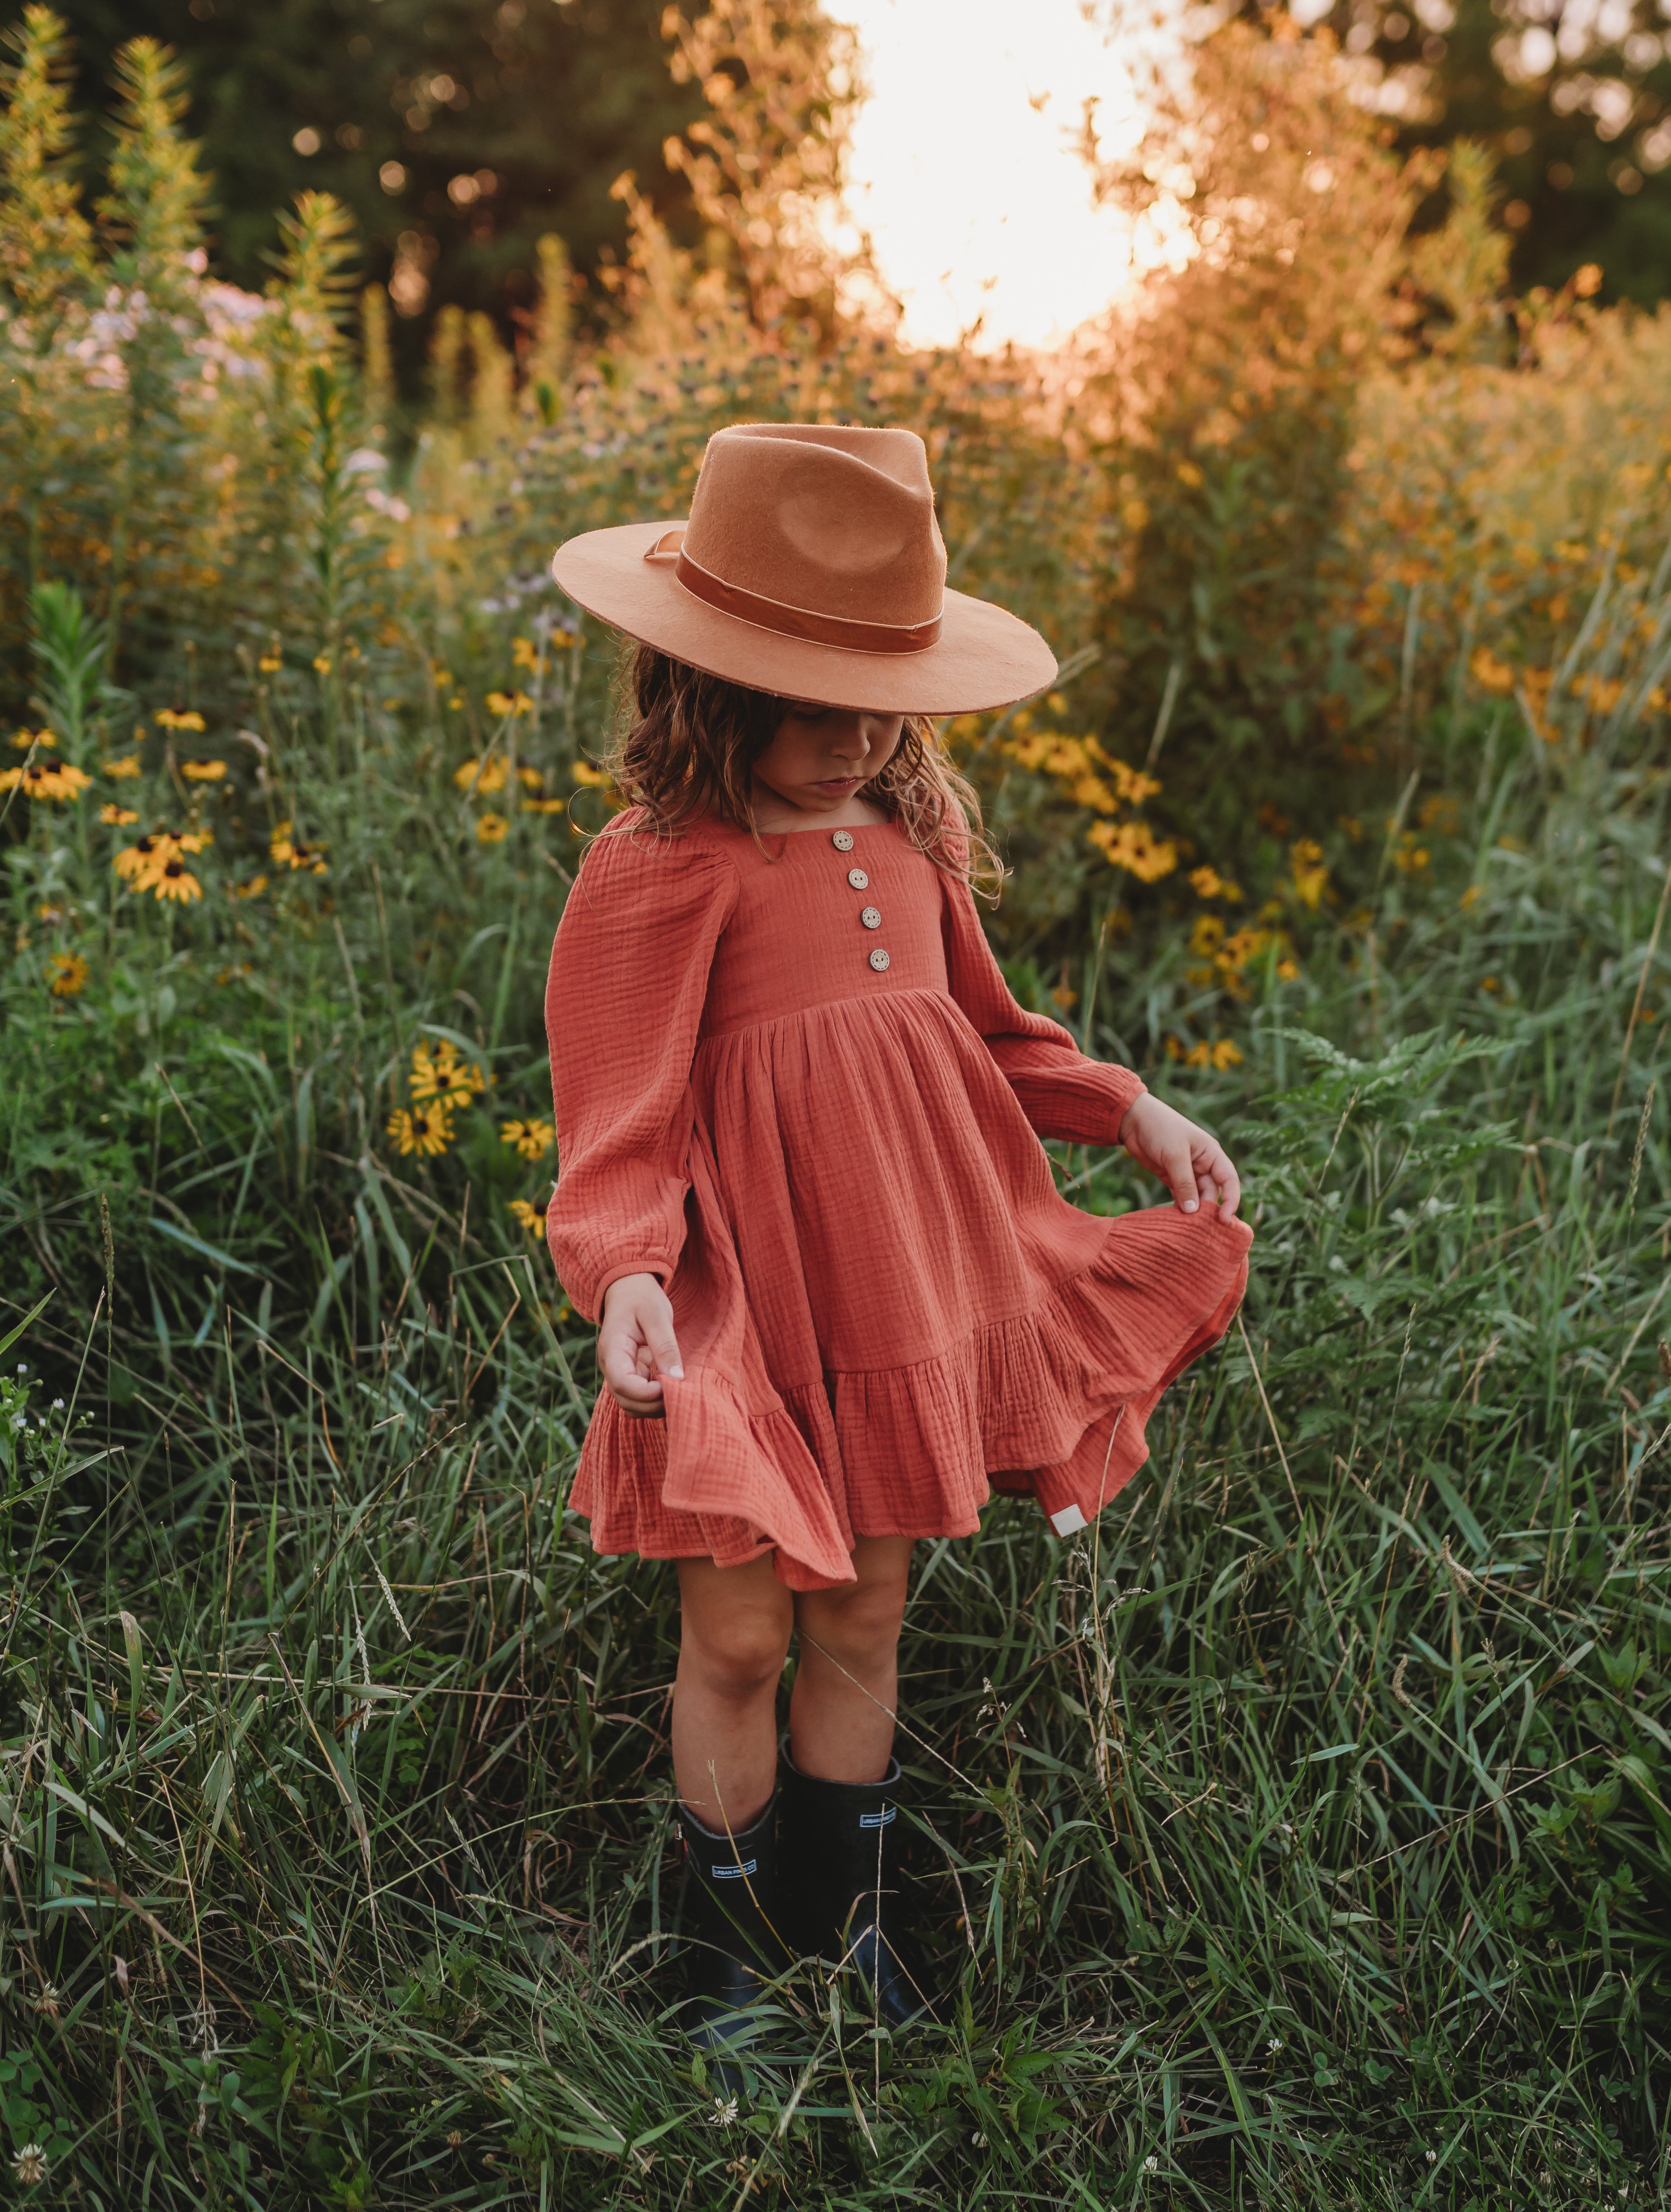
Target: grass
(1304,1841)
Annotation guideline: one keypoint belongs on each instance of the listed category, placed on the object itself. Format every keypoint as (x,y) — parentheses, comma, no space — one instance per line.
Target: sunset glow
(965,172)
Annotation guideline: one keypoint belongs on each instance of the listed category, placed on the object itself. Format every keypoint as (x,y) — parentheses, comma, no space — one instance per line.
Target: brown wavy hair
(689,742)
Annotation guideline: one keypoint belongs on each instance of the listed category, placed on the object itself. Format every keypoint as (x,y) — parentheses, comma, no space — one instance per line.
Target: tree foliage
(1224,409)
(1573,100)
(455,134)
(781,85)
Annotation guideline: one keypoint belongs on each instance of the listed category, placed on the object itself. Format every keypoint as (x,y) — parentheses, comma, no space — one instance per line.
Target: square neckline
(852,829)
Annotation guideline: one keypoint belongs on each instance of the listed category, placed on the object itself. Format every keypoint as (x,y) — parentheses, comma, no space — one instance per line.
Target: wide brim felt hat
(810,565)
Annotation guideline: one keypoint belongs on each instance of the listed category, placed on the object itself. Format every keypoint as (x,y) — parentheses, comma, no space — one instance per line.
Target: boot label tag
(734,1873)
(877,1820)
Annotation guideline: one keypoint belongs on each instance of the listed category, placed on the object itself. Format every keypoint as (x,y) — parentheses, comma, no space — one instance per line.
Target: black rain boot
(840,1858)
(732,1912)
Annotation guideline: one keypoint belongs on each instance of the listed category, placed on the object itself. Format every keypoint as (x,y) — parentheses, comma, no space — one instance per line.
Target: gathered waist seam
(706,1035)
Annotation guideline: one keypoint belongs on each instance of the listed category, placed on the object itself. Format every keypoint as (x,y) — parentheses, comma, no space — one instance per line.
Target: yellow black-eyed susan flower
(491,829)
(28,740)
(203,771)
(432,1072)
(1221,1054)
(142,864)
(46,780)
(533,1140)
(1310,870)
(425,1129)
(482,778)
(544,806)
(529,778)
(524,653)
(289,851)
(468,1083)
(66,973)
(138,864)
(1207,883)
(116,818)
(1133,846)
(510,704)
(442,1073)
(253,889)
(532,1218)
(269,663)
(127,764)
(168,718)
(175,881)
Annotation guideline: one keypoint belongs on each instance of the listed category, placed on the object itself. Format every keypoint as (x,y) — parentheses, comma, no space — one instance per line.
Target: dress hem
(1056,1399)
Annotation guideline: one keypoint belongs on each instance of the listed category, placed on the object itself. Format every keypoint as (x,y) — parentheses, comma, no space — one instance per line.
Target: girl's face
(822,755)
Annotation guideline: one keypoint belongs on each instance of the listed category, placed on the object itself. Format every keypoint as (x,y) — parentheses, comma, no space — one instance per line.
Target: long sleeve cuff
(658,1264)
(1081,1102)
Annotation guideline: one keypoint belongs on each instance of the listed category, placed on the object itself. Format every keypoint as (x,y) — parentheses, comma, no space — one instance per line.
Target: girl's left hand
(1190,1161)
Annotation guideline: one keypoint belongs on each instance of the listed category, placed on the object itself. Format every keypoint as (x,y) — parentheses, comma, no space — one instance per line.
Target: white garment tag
(1069,1521)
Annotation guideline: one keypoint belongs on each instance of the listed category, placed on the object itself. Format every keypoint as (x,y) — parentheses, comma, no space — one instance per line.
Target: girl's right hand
(636,1344)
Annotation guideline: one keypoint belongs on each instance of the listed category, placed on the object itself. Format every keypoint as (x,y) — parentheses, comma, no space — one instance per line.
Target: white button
(879,960)
(871,918)
(859,879)
(842,840)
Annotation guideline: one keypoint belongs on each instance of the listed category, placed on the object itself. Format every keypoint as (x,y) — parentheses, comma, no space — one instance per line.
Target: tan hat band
(788,621)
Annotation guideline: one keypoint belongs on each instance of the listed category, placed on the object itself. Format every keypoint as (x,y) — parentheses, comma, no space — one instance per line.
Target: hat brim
(984,656)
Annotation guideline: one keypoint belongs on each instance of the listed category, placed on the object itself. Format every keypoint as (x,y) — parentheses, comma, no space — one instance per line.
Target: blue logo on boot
(877,1820)
(734,1873)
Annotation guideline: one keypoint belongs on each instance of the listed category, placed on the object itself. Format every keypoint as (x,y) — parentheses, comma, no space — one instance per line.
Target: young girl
(801,1188)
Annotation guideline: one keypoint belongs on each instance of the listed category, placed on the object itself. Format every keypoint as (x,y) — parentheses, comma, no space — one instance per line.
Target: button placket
(870,916)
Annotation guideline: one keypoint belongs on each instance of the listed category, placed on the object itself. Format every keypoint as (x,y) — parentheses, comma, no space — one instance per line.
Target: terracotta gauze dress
(793,1085)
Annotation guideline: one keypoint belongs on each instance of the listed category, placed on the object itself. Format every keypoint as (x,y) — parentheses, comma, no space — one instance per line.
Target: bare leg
(734,1638)
(847,1678)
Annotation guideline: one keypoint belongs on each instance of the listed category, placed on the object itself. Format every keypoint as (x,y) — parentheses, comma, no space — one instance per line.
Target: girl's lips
(838,783)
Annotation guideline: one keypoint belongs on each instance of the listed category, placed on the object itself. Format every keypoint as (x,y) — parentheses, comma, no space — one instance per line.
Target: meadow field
(1301,1836)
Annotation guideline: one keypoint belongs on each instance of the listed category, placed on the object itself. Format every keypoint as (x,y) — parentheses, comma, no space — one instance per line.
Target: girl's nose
(852,737)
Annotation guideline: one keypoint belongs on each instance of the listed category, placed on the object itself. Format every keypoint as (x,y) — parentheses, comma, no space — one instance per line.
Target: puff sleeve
(623,1006)
(1062,1093)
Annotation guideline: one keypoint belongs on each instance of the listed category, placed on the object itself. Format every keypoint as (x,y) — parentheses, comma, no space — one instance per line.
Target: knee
(859,1623)
(740,1658)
